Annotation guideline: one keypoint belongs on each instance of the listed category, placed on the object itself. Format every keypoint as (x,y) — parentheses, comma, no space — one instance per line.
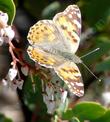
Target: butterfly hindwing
(71,75)
(43,58)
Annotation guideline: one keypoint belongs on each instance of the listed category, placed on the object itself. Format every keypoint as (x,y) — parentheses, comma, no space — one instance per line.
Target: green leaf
(103,66)
(31,97)
(104,118)
(85,111)
(51,9)
(68,115)
(35,7)
(4,119)
(95,10)
(101,42)
(8,7)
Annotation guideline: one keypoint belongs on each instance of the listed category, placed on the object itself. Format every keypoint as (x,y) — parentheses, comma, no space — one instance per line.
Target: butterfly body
(53,44)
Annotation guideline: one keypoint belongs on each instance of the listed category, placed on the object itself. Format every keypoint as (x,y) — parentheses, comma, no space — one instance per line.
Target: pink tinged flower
(51,104)
(106,98)
(1,41)
(25,70)
(4,82)
(3,18)
(9,32)
(48,98)
(6,31)
(12,73)
(17,83)
(20,83)
(63,96)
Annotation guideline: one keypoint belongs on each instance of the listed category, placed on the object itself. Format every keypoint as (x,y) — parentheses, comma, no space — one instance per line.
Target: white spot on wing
(82,91)
(77,23)
(70,16)
(79,15)
(79,84)
(72,83)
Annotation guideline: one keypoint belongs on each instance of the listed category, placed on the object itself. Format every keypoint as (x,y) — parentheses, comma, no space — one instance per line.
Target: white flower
(4,82)
(12,73)
(25,70)
(106,98)
(48,98)
(17,83)
(63,96)
(9,32)
(6,31)
(3,18)
(53,96)
(20,83)
(1,41)
(51,105)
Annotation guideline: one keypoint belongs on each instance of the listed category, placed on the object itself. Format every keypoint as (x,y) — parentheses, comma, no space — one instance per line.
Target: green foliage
(95,10)
(35,7)
(4,119)
(101,42)
(8,7)
(51,9)
(74,119)
(104,118)
(85,111)
(103,66)
(32,96)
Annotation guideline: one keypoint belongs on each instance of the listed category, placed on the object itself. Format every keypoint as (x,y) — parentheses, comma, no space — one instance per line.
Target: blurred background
(20,105)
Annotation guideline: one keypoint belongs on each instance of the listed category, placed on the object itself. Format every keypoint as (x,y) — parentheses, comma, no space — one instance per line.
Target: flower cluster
(53,95)
(7,34)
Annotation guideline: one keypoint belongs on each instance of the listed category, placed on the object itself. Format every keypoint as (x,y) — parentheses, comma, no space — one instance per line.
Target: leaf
(51,9)
(8,7)
(104,118)
(103,66)
(31,97)
(4,119)
(95,10)
(35,7)
(85,111)
(101,42)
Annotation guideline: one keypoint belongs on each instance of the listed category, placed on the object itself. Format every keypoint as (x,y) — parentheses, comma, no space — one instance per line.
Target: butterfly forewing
(69,23)
(45,34)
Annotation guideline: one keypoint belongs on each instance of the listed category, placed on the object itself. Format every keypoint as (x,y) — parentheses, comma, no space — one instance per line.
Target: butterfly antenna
(90,52)
(87,67)
(91,72)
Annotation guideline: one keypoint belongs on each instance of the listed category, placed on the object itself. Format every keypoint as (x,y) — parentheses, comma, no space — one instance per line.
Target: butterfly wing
(71,75)
(45,34)
(43,38)
(69,24)
(43,58)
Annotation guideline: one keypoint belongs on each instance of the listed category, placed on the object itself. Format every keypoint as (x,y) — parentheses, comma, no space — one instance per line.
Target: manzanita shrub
(42,92)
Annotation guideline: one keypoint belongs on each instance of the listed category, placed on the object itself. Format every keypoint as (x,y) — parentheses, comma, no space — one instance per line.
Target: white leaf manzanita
(12,73)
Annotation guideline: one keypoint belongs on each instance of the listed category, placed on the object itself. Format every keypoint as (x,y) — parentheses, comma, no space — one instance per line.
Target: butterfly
(53,43)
